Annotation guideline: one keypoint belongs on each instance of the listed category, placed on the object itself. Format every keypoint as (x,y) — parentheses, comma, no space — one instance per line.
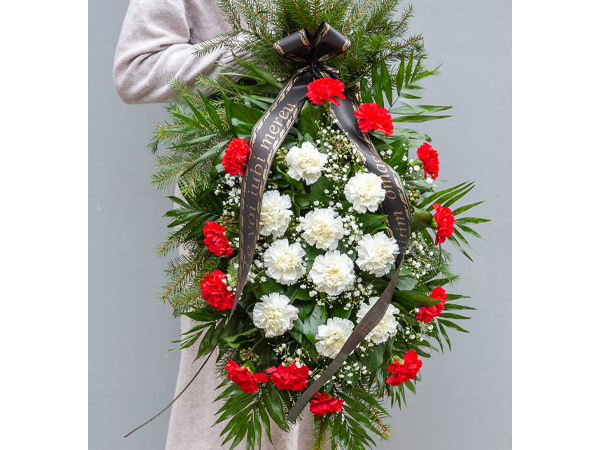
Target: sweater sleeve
(155,46)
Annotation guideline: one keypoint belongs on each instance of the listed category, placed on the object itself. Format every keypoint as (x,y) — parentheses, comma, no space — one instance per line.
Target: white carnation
(332,336)
(284,261)
(386,328)
(305,163)
(377,253)
(275,214)
(332,272)
(364,190)
(274,314)
(322,228)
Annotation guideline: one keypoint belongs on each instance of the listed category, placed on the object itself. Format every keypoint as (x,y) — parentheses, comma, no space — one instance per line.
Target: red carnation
(444,223)
(429,157)
(325,404)
(404,369)
(245,379)
(234,159)
(425,314)
(325,89)
(215,292)
(289,377)
(215,239)
(373,117)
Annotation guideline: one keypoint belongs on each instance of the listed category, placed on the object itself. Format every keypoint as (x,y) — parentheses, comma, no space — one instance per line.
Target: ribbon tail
(176,398)
(364,327)
(267,135)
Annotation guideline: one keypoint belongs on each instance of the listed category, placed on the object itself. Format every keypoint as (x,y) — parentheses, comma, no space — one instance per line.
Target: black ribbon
(268,134)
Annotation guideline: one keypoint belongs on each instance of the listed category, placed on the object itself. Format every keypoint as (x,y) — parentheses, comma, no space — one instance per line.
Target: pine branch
(320,434)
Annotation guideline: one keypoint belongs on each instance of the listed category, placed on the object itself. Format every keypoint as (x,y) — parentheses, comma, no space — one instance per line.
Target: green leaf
(399,149)
(266,287)
(214,117)
(196,141)
(421,219)
(452,306)
(429,199)
(409,384)
(370,223)
(453,316)
(454,242)
(238,438)
(235,407)
(406,283)
(365,93)
(410,96)
(257,430)
(236,425)
(417,119)
(425,74)
(317,191)
(308,326)
(310,117)
(414,299)
(336,429)
(264,75)
(243,119)
(374,359)
(295,292)
(408,71)
(414,74)
(462,209)
(452,325)
(447,195)
(457,197)
(450,297)
(471,220)
(205,314)
(275,407)
(199,116)
(177,200)
(233,389)
(235,341)
(304,309)
(251,436)
(443,331)
(376,81)
(466,229)
(400,76)
(418,109)
(265,420)
(411,134)
(438,282)
(457,234)
(192,122)
(387,82)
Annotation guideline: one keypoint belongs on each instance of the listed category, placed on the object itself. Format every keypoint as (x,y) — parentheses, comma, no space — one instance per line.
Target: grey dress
(154,47)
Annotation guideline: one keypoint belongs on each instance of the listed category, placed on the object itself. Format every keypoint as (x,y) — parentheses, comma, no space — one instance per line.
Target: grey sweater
(156,45)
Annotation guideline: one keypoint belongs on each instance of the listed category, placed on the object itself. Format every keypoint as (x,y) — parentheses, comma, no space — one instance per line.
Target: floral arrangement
(324,250)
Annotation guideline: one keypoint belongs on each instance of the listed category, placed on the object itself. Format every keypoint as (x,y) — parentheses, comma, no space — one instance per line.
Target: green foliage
(378,40)
(384,64)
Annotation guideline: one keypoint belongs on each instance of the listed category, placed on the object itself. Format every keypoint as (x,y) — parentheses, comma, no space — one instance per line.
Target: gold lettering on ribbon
(388,186)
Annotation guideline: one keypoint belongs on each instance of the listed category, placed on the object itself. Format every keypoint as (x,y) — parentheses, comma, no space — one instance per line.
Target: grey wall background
(464,401)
